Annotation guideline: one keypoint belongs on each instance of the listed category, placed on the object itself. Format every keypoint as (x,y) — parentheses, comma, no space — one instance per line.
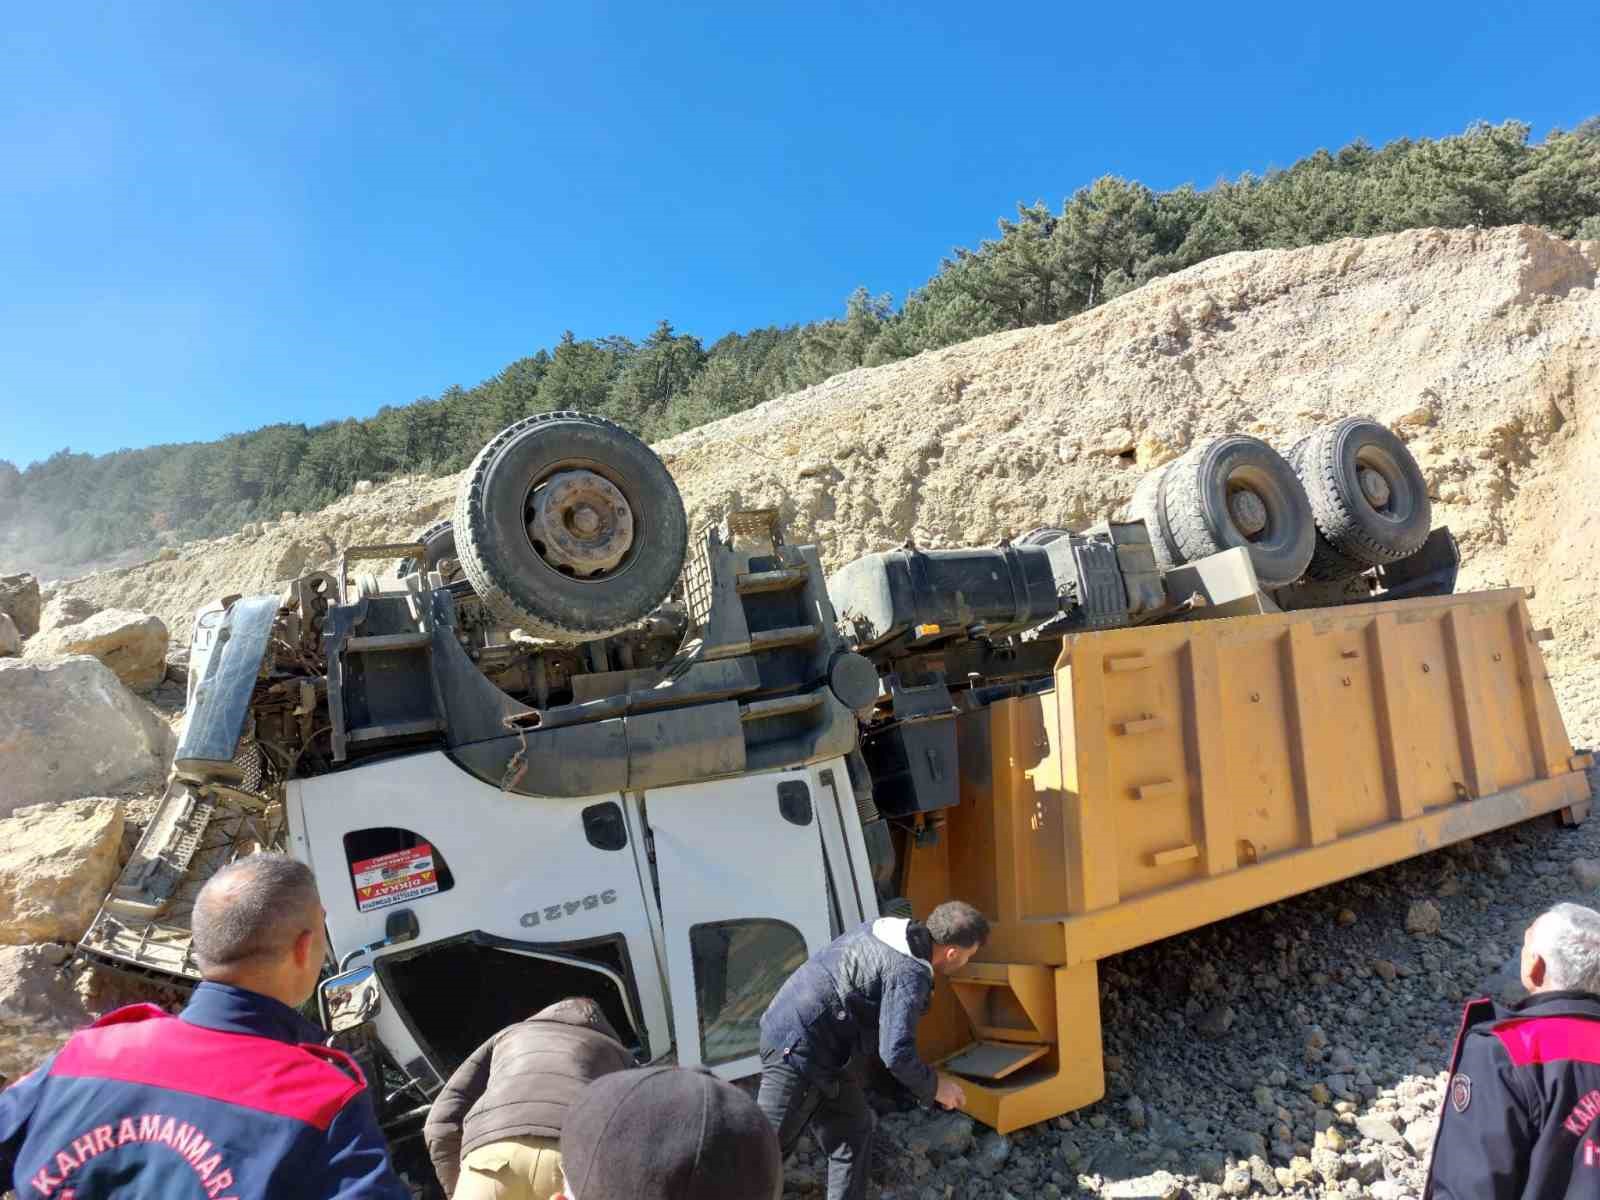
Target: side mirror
(349,1000)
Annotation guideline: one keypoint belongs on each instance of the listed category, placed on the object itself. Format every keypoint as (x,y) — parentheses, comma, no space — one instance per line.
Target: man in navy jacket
(865,991)
(1521,1116)
(235,1098)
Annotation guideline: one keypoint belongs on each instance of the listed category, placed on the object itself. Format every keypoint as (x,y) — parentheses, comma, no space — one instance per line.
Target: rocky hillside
(1296,1049)
(1481,346)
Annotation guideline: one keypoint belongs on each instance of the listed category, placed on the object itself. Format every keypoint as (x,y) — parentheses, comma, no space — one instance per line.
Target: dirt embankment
(1481,346)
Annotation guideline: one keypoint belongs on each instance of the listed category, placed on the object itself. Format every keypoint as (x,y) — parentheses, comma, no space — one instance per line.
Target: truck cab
(680,909)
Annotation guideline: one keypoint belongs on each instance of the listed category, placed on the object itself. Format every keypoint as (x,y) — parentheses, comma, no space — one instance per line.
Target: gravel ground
(1299,1049)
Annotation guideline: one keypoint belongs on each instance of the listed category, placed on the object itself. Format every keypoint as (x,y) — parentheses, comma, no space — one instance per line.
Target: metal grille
(697,580)
(144,923)
(249,760)
(754,522)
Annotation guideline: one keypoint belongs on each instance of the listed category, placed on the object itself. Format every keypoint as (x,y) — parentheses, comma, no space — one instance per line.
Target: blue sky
(215,216)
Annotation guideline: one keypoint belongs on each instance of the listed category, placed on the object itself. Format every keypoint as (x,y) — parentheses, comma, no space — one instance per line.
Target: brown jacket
(520,1082)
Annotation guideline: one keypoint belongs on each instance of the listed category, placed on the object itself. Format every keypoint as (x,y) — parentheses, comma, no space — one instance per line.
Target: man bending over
(865,991)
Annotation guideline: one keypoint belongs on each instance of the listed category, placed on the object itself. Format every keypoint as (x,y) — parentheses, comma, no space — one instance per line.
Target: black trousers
(840,1118)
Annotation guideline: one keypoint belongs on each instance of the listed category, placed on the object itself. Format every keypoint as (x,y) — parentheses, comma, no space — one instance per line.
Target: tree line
(1045,265)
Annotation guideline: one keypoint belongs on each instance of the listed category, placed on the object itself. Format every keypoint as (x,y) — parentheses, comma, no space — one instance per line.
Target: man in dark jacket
(866,991)
(1520,1114)
(496,1126)
(236,1098)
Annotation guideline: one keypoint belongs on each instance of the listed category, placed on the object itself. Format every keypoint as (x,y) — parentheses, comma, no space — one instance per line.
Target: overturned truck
(561,750)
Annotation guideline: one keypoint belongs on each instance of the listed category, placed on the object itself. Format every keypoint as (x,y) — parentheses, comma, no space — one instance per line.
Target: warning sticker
(391,878)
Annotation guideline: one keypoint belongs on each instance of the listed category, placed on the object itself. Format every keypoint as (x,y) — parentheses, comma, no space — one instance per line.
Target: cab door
(744,902)
(549,885)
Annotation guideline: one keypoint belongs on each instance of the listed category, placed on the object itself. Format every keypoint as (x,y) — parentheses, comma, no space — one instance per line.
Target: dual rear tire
(1348,497)
(1368,497)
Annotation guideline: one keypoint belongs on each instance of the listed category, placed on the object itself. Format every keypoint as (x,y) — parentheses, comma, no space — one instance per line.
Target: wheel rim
(1384,486)
(1249,512)
(1253,499)
(580,523)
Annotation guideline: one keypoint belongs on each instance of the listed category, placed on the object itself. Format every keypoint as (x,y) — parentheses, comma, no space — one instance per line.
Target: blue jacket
(1521,1115)
(864,991)
(232,1100)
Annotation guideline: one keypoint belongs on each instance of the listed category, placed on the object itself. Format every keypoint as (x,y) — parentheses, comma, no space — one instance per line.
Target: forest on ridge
(1045,264)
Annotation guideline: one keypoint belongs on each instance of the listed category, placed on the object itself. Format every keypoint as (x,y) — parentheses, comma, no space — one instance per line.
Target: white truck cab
(680,909)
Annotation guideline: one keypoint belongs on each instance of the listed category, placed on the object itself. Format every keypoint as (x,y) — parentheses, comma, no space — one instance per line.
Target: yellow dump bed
(1182,773)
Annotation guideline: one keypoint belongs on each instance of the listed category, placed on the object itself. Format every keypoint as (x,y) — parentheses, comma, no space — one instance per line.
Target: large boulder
(133,644)
(61,611)
(44,999)
(10,639)
(57,861)
(70,729)
(19,600)
(39,1008)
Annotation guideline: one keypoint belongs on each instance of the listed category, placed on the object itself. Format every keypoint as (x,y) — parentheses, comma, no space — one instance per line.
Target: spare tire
(1235,491)
(438,544)
(1368,497)
(569,527)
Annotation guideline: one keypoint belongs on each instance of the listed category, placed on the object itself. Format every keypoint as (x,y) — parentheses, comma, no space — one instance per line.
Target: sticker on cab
(391,878)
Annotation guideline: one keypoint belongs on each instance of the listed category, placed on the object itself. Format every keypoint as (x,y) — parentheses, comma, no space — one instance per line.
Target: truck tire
(438,543)
(569,527)
(1368,497)
(1146,506)
(1327,564)
(1237,491)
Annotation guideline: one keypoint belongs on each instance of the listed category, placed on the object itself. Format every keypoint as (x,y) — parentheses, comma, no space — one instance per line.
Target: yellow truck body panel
(1182,773)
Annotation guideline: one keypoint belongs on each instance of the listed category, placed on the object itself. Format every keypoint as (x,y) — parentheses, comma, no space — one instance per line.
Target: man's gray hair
(1568,939)
(957,923)
(253,908)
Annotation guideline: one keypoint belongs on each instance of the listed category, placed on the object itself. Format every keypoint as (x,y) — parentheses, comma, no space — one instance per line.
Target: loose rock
(70,729)
(19,600)
(1419,1136)
(132,644)
(1162,1185)
(993,1151)
(1116,442)
(1217,1021)
(1236,1181)
(56,864)
(1586,873)
(1378,1128)
(1422,918)
(951,1132)
(65,610)
(38,1007)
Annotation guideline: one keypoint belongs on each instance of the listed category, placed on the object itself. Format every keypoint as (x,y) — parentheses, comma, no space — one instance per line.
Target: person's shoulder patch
(1460,1092)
